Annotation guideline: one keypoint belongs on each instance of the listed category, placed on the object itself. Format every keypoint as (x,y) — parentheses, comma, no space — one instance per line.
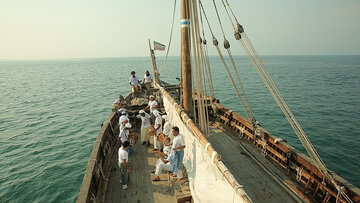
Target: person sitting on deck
(120,103)
(158,129)
(164,161)
(134,83)
(178,146)
(148,80)
(123,165)
(167,127)
(145,124)
(124,136)
(153,105)
(123,117)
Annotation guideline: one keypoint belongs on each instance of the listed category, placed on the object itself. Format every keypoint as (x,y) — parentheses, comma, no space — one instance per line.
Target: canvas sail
(207,183)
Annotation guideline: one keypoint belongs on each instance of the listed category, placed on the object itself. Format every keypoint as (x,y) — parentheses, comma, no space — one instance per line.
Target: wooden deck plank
(259,186)
(141,186)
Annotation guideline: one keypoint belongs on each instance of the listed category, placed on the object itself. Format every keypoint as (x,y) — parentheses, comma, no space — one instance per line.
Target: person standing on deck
(145,124)
(158,129)
(134,83)
(124,136)
(123,165)
(178,150)
(167,127)
(152,105)
(122,126)
(123,117)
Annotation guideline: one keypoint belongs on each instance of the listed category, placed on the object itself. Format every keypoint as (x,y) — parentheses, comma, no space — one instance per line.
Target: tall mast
(185,57)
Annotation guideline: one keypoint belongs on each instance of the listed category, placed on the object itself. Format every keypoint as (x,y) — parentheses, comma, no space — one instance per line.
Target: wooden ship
(228,158)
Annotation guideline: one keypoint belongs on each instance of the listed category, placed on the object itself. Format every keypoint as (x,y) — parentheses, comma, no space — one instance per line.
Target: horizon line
(113,57)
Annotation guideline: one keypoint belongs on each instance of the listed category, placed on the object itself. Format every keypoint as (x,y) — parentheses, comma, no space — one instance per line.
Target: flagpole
(153,63)
(185,57)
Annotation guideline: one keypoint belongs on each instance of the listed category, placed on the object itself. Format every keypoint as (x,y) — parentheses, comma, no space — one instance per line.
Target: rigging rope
(169,44)
(227,47)
(246,44)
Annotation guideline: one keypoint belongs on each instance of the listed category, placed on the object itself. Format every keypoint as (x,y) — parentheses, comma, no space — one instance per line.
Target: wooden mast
(153,62)
(185,57)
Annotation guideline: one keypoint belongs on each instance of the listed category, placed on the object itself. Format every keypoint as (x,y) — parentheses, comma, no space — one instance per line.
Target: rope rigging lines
(169,44)
(250,51)
(247,109)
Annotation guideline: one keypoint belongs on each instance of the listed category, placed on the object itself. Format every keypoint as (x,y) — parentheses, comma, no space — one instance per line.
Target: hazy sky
(82,28)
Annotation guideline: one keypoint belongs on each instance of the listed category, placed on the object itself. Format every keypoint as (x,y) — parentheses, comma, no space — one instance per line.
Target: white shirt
(121,128)
(152,105)
(145,120)
(117,101)
(134,80)
(169,158)
(148,79)
(123,155)
(158,121)
(123,118)
(168,130)
(178,141)
(124,135)
(167,150)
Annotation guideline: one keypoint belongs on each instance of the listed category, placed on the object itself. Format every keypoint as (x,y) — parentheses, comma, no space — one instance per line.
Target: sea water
(51,112)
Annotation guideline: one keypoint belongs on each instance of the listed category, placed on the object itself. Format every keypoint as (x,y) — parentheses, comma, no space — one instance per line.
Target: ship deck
(259,186)
(141,186)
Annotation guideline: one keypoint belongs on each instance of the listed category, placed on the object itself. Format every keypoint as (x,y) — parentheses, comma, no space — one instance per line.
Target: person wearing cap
(158,129)
(123,158)
(164,162)
(124,136)
(134,83)
(145,124)
(123,117)
(152,105)
(122,125)
(167,127)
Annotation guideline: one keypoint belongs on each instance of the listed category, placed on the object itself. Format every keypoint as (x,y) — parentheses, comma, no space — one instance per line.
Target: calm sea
(51,112)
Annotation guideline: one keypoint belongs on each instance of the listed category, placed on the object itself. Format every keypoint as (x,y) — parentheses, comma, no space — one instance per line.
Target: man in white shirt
(123,165)
(134,83)
(124,136)
(178,149)
(148,79)
(119,103)
(153,105)
(158,129)
(123,117)
(145,124)
(167,130)
(162,164)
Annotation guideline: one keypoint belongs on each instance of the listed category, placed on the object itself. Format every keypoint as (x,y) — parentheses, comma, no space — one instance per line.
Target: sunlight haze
(42,29)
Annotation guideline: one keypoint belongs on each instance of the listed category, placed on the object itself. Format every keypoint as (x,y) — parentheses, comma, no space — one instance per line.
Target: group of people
(135,83)
(170,152)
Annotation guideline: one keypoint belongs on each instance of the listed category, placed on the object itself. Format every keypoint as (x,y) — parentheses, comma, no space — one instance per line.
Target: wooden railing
(98,169)
(290,159)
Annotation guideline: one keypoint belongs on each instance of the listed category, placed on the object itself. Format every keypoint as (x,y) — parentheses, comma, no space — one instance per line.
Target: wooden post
(185,57)
(153,62)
